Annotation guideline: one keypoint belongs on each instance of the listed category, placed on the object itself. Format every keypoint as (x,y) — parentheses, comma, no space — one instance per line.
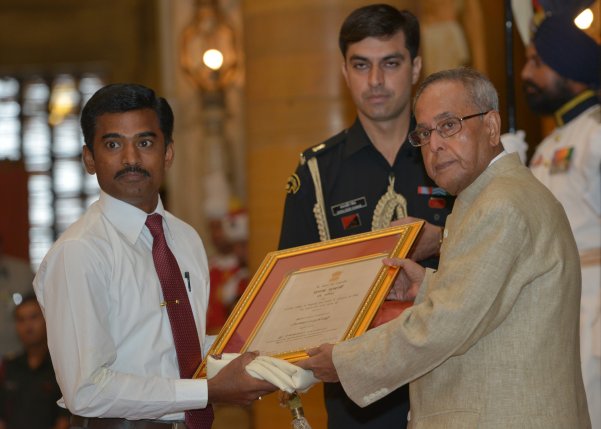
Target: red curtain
(14,219)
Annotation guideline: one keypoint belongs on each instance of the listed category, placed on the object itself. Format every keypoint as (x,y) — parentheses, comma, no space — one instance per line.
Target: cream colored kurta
(492,341)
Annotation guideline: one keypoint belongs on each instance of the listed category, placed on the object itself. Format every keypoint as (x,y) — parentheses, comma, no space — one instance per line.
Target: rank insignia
(318,147)
(561,160)
(350,221)
(293,184)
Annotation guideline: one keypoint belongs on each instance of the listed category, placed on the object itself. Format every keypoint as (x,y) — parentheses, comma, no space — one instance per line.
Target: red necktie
(185,336)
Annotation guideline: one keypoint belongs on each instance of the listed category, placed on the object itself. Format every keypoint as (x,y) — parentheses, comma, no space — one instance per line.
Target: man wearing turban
(561,77)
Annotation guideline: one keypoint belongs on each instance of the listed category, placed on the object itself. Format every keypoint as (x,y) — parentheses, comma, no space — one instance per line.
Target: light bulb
(213,59)
(584,19)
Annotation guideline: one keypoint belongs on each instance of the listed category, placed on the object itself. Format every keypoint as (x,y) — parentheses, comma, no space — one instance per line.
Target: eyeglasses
(446,128)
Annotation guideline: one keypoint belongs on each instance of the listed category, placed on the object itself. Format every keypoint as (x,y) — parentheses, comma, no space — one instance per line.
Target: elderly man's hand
(428,242)
(408,281)
(233,385)
(320,362)
(402,293)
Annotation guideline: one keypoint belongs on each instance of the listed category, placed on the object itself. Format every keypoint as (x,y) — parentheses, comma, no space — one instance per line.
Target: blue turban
(568,50)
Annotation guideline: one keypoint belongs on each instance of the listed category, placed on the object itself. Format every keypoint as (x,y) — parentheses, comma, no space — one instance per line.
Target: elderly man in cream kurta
(492,340)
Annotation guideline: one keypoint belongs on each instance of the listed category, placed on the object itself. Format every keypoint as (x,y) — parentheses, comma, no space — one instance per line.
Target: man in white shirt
(560,77)
(109,331)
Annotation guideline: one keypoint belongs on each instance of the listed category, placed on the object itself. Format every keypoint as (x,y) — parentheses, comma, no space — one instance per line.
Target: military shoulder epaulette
(322,147)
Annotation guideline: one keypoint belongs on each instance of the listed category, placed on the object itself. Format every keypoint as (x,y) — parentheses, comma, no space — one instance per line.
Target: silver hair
(481,91)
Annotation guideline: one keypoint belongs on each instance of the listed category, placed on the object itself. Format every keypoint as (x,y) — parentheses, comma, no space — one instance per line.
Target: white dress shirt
(109,337)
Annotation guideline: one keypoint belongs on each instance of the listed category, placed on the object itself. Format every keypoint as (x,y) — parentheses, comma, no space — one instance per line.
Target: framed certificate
(302,297)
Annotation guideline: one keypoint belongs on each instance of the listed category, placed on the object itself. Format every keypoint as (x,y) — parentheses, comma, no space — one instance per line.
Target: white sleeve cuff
(192,393)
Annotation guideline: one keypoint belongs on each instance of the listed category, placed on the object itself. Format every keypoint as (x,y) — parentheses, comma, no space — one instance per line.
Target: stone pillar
(184,181)
(209,132)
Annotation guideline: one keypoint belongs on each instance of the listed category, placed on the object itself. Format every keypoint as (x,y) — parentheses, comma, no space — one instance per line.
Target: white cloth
(286,376)
(577,185)
(109,337)
(515,143)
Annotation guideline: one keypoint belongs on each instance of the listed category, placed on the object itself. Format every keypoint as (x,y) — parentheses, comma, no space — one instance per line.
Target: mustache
(530,85)
(132,169)
(376,93)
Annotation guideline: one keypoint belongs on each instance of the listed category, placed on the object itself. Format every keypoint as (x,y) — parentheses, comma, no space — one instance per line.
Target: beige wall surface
(117,37)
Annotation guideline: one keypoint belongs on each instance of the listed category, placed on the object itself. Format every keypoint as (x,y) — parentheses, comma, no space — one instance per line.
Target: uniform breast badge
(562,159)
(437,198)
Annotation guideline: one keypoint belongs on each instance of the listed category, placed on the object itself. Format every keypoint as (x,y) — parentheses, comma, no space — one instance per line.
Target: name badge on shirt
(348,206)
(562,158)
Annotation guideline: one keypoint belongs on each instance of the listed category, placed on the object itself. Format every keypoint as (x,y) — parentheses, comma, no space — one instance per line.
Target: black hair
(28,297)
(124,97)
(380,21)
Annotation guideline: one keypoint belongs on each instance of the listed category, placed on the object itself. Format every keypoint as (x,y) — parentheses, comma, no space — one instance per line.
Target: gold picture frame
(327,292)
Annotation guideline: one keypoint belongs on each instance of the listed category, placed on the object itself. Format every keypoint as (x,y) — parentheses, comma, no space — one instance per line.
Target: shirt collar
(575,107)
(358,139)
(496,158)
(126,218)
